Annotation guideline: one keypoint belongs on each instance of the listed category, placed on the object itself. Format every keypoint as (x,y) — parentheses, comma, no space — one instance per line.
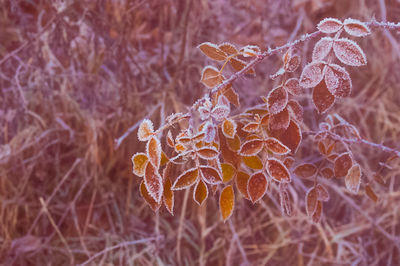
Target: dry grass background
(76,75)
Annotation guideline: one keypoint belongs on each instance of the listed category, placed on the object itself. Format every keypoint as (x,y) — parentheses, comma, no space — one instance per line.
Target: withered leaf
(353,179)
(153,182)
(370,193)
(153,149)
(149,199)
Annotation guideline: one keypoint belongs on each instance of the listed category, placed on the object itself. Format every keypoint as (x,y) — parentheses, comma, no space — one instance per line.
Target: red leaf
(370,193)
(153,182)
(292,85)
(153,148)
(322,49)
(276,146)
(356,28)
(186,179)
(322,193)
(337,80)
(200,192)
(291,137)
(242,179)
(327,172)
(279,121)
(311,201)
(149,199)
(238,65)
(277,100)
(349,53)
(146,130)
(342,165)
(227,202)
(305,170)
(353,179)
(251,147)
(292,64)
(210,175)
(251,127)
(212,51)
(329,25)
(318,212)
(168,196)
(322,98)
(312,74)
(295,110)
(207,153)
(257,186)
(278,170)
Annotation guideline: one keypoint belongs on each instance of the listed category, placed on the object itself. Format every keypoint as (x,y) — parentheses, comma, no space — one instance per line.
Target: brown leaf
(342,165)
(348,52)
(277,100)
(212,51)
(278,170)
(322,98)
(305,170)
(295,110)
(153,149)
(208,153)
(153,182)
(242,179)
(200,192)
(356,28)
(251,147)
(329,25)
(234,144)
(210,175)
(170,140)
(211,77)
(251,127)
(168,196)
(292,64)
(312,74)
(353,179)
(286,206)
(337,80)
(228,48)
(291,137)
(276,146)
(227,202)
(322,49)
(228,172)
(238,65)
(322,193)
(257,186)
(229,128)
(311,201)
(249,50)
(327,172)
(288,162)
(186,179)
(149,199)
(370,193)
(318,212)
(253,162)
(292,85)
(279,121)
(139,161)
(146,130)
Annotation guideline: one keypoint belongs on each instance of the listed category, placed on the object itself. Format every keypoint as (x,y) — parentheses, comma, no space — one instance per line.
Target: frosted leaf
(292,64)
(276,146)
(239,64)
(204,113)
(210,175)
(322,98)
(342,165)
(186,179)
(251,127)
(210,131)
(212,51)
(153,149)
(145,130)
(227,202)
(329,25)
(277,170)
(257,186)
(139,161)
(211,77)
(153,183)
(278,73)
(292,85)
(322,48)
(338,80)
(279,121)
(292,136)
(277,100)
(250,50)
(229,128)
(207,153)
(312,74)
(311,201)
(251,147)
(228,48)
(223,101)
(168,195)
(200,192)
(348,52)
(149,199)
(295,110)
(356,28)
(353,179)
(170,140)
(220,112)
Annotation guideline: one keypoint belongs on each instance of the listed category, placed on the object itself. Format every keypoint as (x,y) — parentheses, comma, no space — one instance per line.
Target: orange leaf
(186,179)
(207,153)
(211,77)
(254,162)
(257,186)
(279,121)
(348,52)
(200,192)
(145,130)
(139,161)
(353,179)
(370,193)
(228,48)
(212,51)
(356,28)
(146,196)
(322,193)
(153,182)
(229,128)
(242,179)
(228,172)
(318,212)
(164,159)
(168,196)
(251,127)
(210,175)
(170,139)
(276,146)
(305,170)
(342,165)
(329,25)
(227,202)
(153,149)
(277,100)
(278,170)
(322,98)
(233,144)
(251,147)
(311,201)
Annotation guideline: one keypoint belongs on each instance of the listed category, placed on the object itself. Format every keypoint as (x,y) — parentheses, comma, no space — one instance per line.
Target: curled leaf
(257,186)
(153,149)
(227,202)
(153,182)
(149,199)
(353,178)
(170,139)
(370,193)
(168,196)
